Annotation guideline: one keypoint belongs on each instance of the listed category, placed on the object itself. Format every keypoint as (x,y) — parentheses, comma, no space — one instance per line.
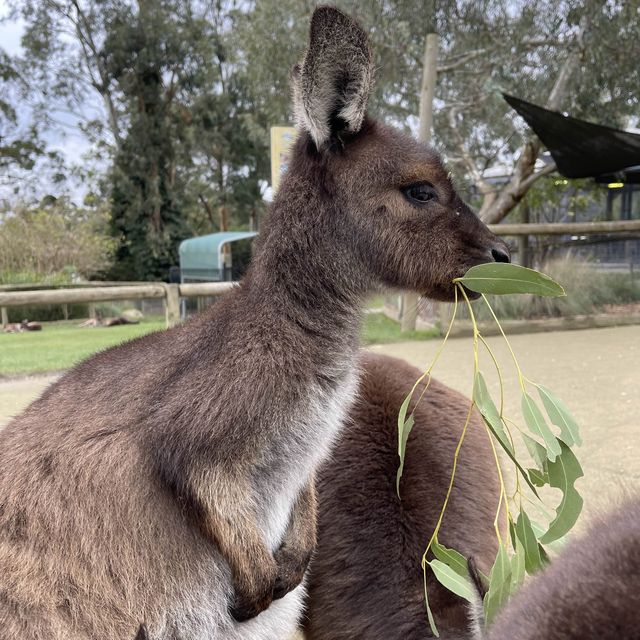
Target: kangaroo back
(366,580)
(590,592)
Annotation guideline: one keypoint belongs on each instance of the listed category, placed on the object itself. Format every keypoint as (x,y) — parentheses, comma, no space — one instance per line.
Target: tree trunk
(429,76)
(495,208)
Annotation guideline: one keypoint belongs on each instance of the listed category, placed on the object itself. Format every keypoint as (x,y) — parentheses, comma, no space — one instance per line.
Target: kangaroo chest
(311,430)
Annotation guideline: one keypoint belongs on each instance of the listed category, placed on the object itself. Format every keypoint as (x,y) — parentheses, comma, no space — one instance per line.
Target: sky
(67,139)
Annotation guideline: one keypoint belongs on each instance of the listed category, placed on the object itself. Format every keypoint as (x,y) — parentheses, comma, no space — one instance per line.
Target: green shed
(215,257)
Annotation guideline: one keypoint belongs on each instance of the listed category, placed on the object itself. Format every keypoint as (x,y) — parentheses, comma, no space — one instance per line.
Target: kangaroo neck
(305,274)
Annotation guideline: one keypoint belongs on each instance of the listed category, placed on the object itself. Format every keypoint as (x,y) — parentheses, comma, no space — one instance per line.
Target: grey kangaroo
(170,481)
(365,580)
(590,592)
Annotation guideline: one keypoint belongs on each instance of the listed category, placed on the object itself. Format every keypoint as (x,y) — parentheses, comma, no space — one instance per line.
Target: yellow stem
(513,355)
(450,487)
(436,356)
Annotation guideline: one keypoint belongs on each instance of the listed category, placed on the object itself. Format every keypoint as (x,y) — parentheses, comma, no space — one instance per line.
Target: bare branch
(460,60)
(527,183)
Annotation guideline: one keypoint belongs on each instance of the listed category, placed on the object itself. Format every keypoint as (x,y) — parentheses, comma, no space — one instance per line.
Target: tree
(17,147)
(54,237)
(180,95)
(189,147)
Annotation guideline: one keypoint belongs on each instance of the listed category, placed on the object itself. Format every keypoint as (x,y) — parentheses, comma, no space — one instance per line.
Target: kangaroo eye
(420,193)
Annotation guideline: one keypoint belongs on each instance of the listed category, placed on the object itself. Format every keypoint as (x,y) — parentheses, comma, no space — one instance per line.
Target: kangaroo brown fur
(591,591)
(366,580)
(169,481)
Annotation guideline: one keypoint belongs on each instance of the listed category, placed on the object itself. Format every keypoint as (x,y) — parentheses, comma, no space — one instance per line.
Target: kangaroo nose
(500,253)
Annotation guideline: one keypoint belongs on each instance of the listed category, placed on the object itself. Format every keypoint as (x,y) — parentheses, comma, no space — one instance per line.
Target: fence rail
(565,228)
(171,293)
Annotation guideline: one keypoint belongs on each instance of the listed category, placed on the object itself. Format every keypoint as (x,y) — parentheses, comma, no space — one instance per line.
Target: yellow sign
(282,139)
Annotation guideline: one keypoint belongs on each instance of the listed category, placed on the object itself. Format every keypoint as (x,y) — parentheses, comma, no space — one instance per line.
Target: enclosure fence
(172,293)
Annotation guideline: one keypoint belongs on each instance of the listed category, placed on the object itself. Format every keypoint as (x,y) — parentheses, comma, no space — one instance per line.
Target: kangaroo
(365,579)
(170,481)
(590,592)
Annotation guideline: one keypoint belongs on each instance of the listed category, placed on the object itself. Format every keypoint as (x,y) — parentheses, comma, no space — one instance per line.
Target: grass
(60,345)
(380,329)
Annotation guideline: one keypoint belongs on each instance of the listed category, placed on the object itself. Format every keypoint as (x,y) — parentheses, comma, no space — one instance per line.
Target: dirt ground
(595,372)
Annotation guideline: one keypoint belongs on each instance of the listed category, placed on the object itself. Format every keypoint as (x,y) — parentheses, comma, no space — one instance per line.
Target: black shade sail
(580,149)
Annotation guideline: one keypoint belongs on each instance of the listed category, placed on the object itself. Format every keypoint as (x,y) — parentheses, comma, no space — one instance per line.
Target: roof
(201,257)
(579,148)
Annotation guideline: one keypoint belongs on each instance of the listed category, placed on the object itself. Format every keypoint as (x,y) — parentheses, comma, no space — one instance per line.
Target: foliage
(186,143)
(549,438)
(19,145)
(54,237)
(177,97)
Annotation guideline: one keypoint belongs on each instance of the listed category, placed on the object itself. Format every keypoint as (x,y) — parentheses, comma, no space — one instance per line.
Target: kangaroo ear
(332,83)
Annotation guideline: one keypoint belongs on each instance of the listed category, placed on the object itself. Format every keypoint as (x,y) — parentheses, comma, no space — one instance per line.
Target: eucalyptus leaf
(562,475)
(518,566)
(557,545)
(493,421)
(449,578)
(499,586)
(404,429)
(537,425)
(537,477)
(560,415)
(432,622)
(503,278)
(451,558)
(489,411)
(536,451)
(527,537)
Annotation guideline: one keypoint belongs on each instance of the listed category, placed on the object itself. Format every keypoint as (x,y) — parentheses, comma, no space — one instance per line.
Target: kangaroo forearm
(298,544)
(301,530)
(226,518)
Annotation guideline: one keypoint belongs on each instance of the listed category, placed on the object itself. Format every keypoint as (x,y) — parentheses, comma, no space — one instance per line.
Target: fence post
(172,304)
(5,317)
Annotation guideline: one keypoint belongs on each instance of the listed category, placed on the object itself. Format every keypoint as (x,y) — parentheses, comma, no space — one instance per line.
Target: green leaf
(499,586)
(557,545)
(536,451)
(451,558)
(537,425)
(562,475)
(538,478)
(527,537)
(489,411)
(503,278)
(493,421)
(560,415)
(452,580)
(517,567)
(432,622)
(404,436)
(404,429)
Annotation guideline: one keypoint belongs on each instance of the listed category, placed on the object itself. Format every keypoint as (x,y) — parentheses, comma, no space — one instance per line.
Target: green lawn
(61,344)
(380,329)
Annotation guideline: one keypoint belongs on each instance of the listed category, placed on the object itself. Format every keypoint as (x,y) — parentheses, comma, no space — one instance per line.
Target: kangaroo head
(404,219)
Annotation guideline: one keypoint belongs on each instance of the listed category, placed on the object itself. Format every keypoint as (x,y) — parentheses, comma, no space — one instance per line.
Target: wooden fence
(170,293)
(566,228)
